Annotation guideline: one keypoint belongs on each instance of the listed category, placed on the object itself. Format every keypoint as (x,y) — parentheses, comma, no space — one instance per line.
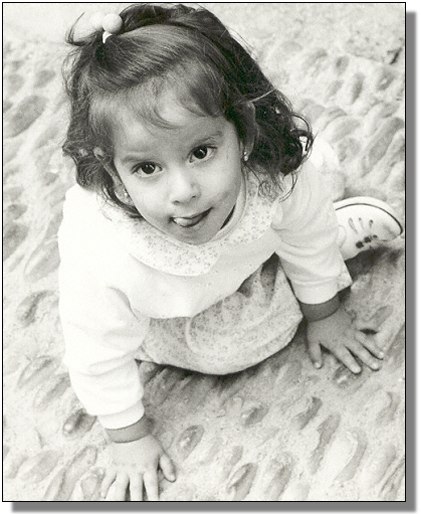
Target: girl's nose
(183,187)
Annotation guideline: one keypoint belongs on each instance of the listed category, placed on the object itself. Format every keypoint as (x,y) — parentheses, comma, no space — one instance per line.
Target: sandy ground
(279,431)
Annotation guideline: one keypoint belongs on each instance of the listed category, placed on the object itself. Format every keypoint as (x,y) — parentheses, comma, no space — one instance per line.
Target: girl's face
(183,180)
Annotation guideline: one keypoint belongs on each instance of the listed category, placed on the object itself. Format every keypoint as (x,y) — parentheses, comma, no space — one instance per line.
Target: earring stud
(245,156)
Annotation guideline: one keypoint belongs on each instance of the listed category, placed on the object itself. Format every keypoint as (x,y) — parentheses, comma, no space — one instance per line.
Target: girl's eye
(146,168)
(202,152)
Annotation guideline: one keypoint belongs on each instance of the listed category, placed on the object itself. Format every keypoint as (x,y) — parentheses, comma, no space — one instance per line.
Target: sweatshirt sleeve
(306,224)
(101,333)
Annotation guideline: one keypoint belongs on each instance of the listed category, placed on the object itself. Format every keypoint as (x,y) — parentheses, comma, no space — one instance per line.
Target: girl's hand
(136,466)
(338,334)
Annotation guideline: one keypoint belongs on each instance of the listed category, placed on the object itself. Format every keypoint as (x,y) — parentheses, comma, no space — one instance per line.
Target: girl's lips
(190,221)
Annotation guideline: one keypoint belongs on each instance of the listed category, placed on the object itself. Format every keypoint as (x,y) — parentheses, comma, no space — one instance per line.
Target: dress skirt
(241,330)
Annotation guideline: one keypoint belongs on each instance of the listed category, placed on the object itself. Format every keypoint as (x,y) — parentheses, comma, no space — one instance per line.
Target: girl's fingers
(315,353)
(136,487)
(167,466)
(107,481)
(120,487)
(369,343)
(364,355)
(346,358)
(150,479)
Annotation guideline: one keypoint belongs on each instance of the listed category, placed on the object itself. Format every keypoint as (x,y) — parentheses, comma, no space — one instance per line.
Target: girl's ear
(252,128)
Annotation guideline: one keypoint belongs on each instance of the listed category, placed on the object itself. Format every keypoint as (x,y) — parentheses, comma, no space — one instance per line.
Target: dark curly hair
(192,51)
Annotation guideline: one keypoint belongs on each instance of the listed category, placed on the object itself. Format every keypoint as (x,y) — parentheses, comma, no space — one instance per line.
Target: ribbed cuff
(122,419)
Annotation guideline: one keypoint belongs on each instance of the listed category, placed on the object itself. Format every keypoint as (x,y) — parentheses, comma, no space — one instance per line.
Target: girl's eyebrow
(198,140)
(130,158)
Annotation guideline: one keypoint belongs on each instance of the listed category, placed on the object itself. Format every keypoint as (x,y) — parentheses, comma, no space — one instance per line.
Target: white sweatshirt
(118,274)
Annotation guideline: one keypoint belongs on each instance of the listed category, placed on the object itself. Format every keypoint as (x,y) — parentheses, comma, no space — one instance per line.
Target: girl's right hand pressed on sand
(136,466)
(339,334)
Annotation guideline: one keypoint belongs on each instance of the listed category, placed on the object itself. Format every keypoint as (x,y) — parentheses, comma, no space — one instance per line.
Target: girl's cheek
(151,200)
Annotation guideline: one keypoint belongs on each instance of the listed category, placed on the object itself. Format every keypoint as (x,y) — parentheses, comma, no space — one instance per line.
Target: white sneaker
(364,222)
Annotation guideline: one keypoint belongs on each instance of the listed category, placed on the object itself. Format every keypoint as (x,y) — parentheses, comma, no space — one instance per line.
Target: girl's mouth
(190,221)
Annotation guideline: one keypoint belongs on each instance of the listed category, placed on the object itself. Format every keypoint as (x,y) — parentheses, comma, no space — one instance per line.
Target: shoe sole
(370,202)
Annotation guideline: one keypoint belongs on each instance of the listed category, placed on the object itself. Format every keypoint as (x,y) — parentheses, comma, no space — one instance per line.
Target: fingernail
(356,370)
(375,365)
(318,365)
(381,355)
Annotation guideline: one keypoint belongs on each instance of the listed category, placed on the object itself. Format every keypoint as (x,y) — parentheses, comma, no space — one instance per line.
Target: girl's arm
(307,226)
(102,336)
(101,333)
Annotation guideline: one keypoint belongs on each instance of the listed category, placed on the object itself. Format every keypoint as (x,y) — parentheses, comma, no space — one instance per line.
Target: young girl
(199,233)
